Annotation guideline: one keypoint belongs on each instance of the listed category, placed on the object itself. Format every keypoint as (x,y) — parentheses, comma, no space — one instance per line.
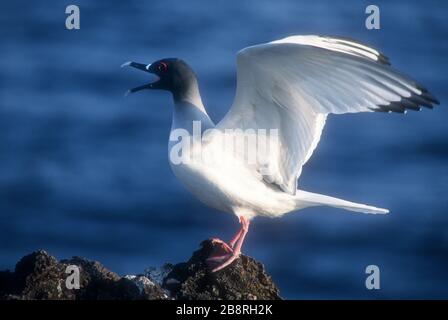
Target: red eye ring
(162,67)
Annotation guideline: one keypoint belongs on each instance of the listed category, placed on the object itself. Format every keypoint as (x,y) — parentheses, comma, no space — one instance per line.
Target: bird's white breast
(221,181)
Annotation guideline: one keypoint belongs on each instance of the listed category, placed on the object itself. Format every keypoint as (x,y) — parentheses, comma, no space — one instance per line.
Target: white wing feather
(292,84)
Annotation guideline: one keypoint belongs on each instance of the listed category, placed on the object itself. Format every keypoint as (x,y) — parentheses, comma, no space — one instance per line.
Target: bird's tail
(309,199)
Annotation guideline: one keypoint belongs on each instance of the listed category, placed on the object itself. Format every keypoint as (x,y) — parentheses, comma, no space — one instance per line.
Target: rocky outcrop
(41,276)
(245,278)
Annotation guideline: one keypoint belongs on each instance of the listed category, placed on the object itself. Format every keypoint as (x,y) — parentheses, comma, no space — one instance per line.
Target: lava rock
(245,278)
(40,276)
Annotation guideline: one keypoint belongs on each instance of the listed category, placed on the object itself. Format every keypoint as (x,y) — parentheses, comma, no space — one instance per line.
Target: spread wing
(293,84)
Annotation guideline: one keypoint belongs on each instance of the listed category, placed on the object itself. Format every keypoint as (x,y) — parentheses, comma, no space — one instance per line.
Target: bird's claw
(221,253)
(222,244)
(223,261)
(215,259)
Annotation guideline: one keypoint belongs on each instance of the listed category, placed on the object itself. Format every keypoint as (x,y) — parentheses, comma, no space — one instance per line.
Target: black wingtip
(383,59)
(415,102)
(394,106)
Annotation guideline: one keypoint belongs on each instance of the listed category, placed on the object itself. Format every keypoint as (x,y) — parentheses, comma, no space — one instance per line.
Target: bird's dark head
(173,75)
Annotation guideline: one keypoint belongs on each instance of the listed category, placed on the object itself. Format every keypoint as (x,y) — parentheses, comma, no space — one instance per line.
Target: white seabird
(289,85)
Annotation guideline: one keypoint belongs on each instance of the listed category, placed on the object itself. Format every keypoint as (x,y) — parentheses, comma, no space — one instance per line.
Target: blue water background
(84,171)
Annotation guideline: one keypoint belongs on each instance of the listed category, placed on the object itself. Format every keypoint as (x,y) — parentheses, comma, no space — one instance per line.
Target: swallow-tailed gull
(287,87)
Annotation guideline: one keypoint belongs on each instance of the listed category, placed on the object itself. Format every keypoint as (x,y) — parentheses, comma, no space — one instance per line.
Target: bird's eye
(162,67)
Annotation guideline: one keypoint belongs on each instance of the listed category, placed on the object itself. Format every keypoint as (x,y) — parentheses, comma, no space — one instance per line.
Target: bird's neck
(188,108)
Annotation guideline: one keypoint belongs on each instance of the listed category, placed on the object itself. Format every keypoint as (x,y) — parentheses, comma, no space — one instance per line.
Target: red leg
(235,238)
(237,246)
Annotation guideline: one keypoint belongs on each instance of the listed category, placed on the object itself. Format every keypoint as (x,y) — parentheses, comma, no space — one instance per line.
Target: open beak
(143,67)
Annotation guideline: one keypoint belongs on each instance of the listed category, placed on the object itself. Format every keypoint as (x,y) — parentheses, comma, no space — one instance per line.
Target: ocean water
(84,171)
